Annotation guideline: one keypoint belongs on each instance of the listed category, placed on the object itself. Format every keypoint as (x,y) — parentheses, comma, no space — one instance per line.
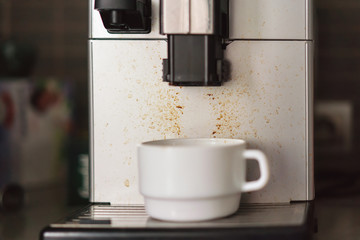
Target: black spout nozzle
(194,60)
(125,16)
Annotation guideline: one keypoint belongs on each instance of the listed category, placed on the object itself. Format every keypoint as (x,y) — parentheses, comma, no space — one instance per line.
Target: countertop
(338,218)
(42,206)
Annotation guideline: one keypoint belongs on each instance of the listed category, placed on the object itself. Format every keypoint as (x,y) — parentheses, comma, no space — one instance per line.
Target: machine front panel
(265,102)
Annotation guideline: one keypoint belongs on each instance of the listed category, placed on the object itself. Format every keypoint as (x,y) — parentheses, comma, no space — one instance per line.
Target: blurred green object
(17,59)
(78,172)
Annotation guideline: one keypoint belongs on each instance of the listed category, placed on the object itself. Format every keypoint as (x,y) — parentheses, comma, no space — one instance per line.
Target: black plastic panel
(125,16)
(252,221)
(115,4)
(194,60)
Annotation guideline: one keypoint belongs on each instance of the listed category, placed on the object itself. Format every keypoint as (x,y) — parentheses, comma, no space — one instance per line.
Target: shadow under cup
(196,179)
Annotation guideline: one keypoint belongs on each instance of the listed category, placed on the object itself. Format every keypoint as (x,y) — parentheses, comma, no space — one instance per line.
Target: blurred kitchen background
(44,92)
(337,98)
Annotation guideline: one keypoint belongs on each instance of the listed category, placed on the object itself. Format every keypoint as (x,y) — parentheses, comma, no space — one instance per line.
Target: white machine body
(267,101)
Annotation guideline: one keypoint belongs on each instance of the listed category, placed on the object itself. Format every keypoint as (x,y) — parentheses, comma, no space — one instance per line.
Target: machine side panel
(309,15)
(310,118)
(91,120)
(264,103)
(275,19)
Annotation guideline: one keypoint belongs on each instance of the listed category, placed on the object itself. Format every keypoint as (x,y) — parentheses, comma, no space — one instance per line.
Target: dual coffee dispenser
(162,69)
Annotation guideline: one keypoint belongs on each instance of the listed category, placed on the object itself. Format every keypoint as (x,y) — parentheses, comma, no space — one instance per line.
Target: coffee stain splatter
(127,183)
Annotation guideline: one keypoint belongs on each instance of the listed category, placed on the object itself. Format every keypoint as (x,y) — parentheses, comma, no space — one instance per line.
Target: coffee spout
(196,31)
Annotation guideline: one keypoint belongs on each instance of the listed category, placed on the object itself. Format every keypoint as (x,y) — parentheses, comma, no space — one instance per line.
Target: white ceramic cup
(196,179)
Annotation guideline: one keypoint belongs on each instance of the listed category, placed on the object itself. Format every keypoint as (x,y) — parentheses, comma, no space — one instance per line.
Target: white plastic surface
(265,102)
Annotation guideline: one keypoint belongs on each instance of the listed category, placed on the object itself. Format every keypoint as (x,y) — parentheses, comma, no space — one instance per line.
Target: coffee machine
(164,69)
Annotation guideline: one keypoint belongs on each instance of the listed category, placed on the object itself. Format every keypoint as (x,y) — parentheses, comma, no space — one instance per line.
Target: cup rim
(191,143)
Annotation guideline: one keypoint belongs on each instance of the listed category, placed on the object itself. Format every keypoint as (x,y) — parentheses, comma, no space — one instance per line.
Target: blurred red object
(8,111)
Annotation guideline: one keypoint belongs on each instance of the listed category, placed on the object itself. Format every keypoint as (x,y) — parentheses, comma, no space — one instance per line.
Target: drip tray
(251,221)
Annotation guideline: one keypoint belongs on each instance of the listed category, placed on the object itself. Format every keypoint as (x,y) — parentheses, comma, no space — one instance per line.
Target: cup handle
(264,171)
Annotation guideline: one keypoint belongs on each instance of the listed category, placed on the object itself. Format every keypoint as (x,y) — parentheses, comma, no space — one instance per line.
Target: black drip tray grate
(248,216)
